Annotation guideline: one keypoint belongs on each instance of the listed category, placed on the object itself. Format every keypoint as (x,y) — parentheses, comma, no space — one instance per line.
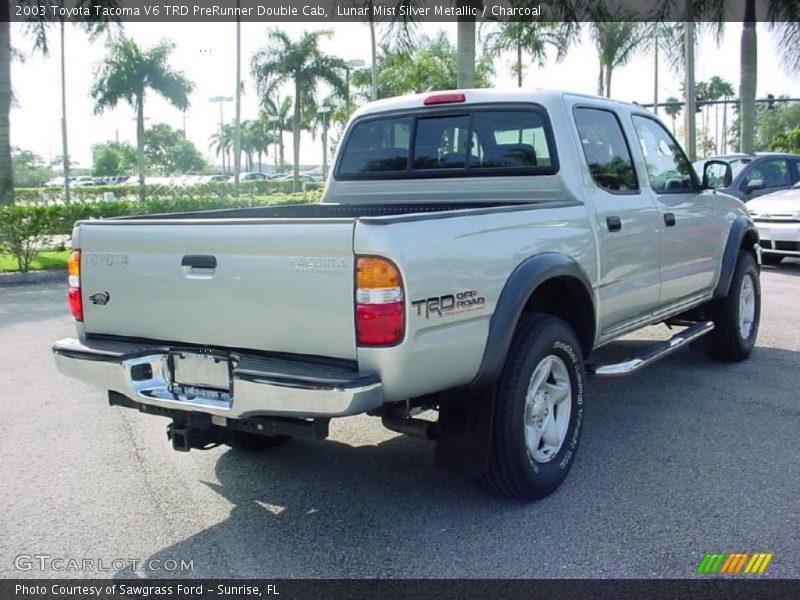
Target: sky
(205,53)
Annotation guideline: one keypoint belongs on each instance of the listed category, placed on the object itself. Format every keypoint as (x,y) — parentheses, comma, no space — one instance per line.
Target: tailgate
(273,285)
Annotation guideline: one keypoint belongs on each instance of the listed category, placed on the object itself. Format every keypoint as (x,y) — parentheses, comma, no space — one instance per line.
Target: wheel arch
(551,283)
(742,236)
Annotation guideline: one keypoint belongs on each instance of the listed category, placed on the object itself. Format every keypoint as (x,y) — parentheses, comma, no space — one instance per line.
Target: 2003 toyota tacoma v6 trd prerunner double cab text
(471,252)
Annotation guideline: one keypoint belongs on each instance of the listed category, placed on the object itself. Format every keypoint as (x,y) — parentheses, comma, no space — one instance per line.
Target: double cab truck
(472,251)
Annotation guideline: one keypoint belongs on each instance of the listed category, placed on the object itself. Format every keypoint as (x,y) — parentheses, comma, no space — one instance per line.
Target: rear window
(460,143)
(377,146)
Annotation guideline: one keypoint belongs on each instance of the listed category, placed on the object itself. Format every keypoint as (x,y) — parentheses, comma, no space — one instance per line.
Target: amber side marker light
(74,294)
(380,306)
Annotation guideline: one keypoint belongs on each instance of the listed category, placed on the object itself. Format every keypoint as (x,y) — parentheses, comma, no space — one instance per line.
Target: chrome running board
(653,353)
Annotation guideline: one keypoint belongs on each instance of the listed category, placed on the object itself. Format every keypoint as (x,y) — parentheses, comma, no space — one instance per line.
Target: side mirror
(716,174)
(754,184)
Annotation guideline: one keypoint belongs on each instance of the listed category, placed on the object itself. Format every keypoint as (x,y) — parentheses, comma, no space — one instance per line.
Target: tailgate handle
(199,261)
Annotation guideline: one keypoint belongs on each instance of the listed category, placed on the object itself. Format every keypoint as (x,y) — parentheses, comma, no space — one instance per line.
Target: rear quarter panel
(469,254)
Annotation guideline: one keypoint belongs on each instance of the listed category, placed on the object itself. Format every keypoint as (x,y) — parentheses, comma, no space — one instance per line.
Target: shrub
(96,193)
(22,233)
(25,229)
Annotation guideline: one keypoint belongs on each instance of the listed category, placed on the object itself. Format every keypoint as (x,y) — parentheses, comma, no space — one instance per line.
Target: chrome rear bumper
(259,386)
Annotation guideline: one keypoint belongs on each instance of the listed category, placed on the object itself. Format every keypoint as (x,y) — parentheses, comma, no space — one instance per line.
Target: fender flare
(740,228)
(522,282)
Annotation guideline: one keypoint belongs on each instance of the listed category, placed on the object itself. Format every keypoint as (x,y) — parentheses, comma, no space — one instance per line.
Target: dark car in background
(749,176)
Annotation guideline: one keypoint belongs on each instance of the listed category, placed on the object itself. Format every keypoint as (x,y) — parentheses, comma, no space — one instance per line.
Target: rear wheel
(737,316)
(539,411)
(252,442)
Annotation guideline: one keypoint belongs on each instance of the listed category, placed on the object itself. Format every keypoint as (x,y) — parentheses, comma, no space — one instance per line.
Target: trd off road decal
(449,304)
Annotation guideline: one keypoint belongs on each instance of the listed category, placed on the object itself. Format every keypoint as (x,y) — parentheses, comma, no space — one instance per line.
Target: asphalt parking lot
(688,457)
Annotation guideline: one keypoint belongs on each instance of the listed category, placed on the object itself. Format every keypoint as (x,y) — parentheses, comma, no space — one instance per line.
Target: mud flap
(465,431)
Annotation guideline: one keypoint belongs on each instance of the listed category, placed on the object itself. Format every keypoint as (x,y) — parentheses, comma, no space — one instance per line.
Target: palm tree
(531,38)
(278,114)
(718,88)
(465,41)
(221,143)
(6,169)
(39,27)
(260,137)
(727,92)
(405,38)
(127,73)
(304,65)
(748,69)
(673,108)
(616,42)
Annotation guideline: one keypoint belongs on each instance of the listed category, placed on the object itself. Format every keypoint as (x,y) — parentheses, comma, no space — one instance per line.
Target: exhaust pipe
(418,428)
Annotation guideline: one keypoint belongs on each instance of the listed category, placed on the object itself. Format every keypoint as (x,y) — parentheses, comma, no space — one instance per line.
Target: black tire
(726,343)
(513,471)
(772,259)
(253,442)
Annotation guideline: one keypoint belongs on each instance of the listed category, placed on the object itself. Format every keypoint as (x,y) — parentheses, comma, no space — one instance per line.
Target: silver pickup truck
(471,252)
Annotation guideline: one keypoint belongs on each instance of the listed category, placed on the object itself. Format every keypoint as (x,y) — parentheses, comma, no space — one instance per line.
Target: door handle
(669,219)
(614,223)
(199,261)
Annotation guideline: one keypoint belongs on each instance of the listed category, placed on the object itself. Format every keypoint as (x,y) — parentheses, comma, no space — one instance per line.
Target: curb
(33,277)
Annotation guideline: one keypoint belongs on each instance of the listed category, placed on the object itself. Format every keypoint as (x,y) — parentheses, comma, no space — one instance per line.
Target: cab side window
(606,150)
(668,168)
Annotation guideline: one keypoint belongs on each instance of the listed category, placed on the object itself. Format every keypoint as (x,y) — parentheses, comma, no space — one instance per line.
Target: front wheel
(738,315)
(539,411)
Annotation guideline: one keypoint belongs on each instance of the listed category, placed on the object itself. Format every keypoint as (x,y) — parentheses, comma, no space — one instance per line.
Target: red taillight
(75,300)
(444,99)
(75,303)
(380,306)
(380,324)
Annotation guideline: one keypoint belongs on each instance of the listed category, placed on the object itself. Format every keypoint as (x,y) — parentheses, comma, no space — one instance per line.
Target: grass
(46,260)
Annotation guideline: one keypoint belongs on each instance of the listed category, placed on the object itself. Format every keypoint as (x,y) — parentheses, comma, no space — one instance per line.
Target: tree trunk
(609,70)
(655,75)
(6,170)
(725,126)
(748,78)
(296,138)
(519,64)
(281,147)
(601,80)
(374,51)
(237,131)
(466,50)
(140,141)
(690,132)
(64,145)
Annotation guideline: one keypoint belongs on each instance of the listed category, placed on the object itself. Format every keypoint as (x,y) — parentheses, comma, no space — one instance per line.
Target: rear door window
(606,150)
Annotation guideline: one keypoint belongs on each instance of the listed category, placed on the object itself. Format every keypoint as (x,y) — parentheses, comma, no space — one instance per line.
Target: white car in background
(777,217)
(83,180)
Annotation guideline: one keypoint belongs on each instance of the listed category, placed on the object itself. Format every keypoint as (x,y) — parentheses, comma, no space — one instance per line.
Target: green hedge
(96,193)
(24,229)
